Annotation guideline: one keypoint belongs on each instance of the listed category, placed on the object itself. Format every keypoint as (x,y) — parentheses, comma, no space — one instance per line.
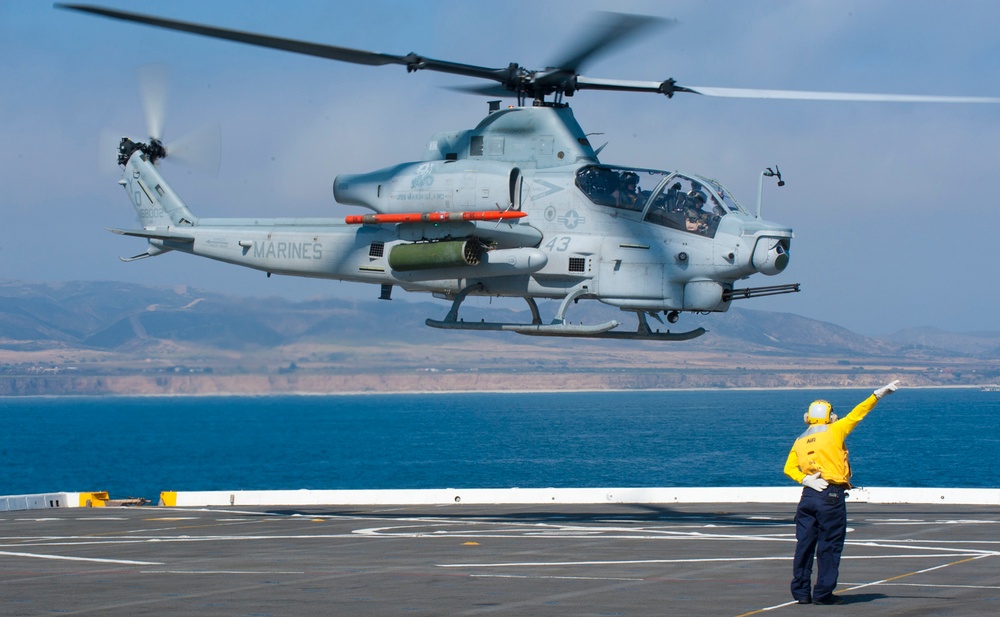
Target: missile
(434,217)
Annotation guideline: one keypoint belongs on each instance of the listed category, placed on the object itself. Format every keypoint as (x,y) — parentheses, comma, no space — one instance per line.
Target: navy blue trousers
(820,530)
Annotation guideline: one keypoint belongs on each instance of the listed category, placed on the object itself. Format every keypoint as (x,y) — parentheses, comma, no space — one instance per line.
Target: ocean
(138,447)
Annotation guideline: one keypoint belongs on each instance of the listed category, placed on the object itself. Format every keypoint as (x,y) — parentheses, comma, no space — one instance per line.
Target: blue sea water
(138,447)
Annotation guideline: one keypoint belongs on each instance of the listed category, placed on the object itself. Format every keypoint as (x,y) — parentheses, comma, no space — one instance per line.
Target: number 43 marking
(559,243)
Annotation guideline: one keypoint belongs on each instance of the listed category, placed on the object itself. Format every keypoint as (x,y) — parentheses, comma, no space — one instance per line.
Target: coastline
(141,388)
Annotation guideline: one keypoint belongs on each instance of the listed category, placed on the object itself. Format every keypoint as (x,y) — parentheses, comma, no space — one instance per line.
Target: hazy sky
(892,204)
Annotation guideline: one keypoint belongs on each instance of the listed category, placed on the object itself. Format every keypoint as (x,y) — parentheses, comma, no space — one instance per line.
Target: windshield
(692,204)
(723,194)
(619,187)
(686,202)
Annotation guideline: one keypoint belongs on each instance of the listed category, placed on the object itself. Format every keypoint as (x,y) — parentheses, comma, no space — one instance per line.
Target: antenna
(770,173)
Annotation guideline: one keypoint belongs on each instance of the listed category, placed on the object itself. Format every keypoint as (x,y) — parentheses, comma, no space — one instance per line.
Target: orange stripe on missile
(433,217)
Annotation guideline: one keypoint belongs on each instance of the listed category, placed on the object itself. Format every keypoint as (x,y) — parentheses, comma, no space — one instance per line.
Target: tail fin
(155,202)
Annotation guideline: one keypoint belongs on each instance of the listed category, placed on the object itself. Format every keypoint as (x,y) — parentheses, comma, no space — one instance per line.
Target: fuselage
(640,239)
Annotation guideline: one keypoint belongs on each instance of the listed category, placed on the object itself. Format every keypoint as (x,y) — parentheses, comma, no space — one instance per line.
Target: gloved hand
(815,482)
(887,389)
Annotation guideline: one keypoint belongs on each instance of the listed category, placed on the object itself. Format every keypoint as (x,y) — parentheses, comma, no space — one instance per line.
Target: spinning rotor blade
(107,151)
(612,30)
(343,54)
(607,30)
(806,95)
(153,88)
(562,77)
(201,149)
(411,61)
(669,87)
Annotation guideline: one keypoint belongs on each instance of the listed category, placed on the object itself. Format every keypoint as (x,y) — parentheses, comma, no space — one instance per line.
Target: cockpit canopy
(686,202)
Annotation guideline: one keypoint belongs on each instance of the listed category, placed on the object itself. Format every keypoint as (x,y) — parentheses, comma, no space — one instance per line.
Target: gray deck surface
(695,559)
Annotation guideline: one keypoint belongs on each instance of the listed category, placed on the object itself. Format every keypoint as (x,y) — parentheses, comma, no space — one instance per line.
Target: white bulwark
(481,496)
(750,494)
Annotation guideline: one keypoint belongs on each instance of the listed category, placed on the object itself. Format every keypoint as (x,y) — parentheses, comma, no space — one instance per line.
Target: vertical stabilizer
(157,205)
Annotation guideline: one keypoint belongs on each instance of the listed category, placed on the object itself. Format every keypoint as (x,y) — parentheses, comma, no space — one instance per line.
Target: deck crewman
(818,461)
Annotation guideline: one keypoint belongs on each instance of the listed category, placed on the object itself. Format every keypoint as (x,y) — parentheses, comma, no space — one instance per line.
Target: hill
(103,337)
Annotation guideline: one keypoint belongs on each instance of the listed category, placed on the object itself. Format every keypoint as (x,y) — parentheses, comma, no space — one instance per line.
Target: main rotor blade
(411,61)
(562,76)
(806,95)
(607,30)
(668,87)
(343,54)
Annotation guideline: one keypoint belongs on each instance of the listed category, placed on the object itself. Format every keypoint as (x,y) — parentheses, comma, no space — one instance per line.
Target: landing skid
(558,327)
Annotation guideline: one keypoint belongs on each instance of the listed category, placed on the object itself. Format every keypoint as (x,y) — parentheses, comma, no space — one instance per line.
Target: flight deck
(487,559)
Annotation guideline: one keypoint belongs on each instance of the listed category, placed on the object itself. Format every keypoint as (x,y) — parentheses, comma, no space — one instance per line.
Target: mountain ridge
(121,337)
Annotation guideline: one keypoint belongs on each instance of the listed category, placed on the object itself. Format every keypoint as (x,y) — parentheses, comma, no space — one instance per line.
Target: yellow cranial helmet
(820,412)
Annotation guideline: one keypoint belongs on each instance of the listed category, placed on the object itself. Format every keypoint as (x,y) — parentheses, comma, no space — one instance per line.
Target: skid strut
(558,327)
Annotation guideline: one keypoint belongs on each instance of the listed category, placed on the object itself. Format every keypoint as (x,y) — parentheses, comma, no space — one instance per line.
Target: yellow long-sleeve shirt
(821,448)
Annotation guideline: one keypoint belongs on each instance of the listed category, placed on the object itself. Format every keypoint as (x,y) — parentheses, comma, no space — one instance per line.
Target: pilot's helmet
(630,177)
(590,178)
(820,412)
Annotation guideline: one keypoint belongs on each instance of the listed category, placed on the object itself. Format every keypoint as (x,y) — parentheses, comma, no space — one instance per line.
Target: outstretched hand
(887,389)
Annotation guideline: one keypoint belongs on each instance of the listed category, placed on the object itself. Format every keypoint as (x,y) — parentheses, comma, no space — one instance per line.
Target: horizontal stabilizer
(154,235)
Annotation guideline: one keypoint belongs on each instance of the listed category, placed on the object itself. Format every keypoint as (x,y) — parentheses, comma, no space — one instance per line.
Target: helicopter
(518,206)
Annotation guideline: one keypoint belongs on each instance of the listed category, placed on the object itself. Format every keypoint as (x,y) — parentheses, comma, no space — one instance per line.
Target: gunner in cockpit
(627,195)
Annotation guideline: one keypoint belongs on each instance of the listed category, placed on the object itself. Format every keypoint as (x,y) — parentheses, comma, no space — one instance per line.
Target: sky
(892,204)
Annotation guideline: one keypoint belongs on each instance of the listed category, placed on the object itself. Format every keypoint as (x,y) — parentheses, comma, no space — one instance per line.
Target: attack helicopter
(518,206)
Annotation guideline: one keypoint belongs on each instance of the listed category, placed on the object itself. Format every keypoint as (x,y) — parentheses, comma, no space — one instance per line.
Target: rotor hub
(154,150)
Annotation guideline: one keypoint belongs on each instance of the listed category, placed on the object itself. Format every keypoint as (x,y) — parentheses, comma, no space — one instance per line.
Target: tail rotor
(201,149)
(153,80)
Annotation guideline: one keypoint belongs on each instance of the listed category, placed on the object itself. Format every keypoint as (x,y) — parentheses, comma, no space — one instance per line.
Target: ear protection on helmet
(820,412)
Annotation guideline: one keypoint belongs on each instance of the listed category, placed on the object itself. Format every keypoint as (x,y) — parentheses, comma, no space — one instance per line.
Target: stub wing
(433,217)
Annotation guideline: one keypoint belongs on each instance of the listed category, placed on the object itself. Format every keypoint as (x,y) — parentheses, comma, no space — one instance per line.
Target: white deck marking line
(933,585)
(928,541)
(643,534)
(924,571)
(85,540)
(886,581)
(968,551)
(542,564)
(570,578)
(200,572)
(128,562)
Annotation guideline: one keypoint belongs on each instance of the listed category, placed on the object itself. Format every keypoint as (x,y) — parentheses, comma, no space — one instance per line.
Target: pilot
(696,219)
(675,198)
(818,461)
(627,195)
(600,184)
(589,180)
(696,192)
